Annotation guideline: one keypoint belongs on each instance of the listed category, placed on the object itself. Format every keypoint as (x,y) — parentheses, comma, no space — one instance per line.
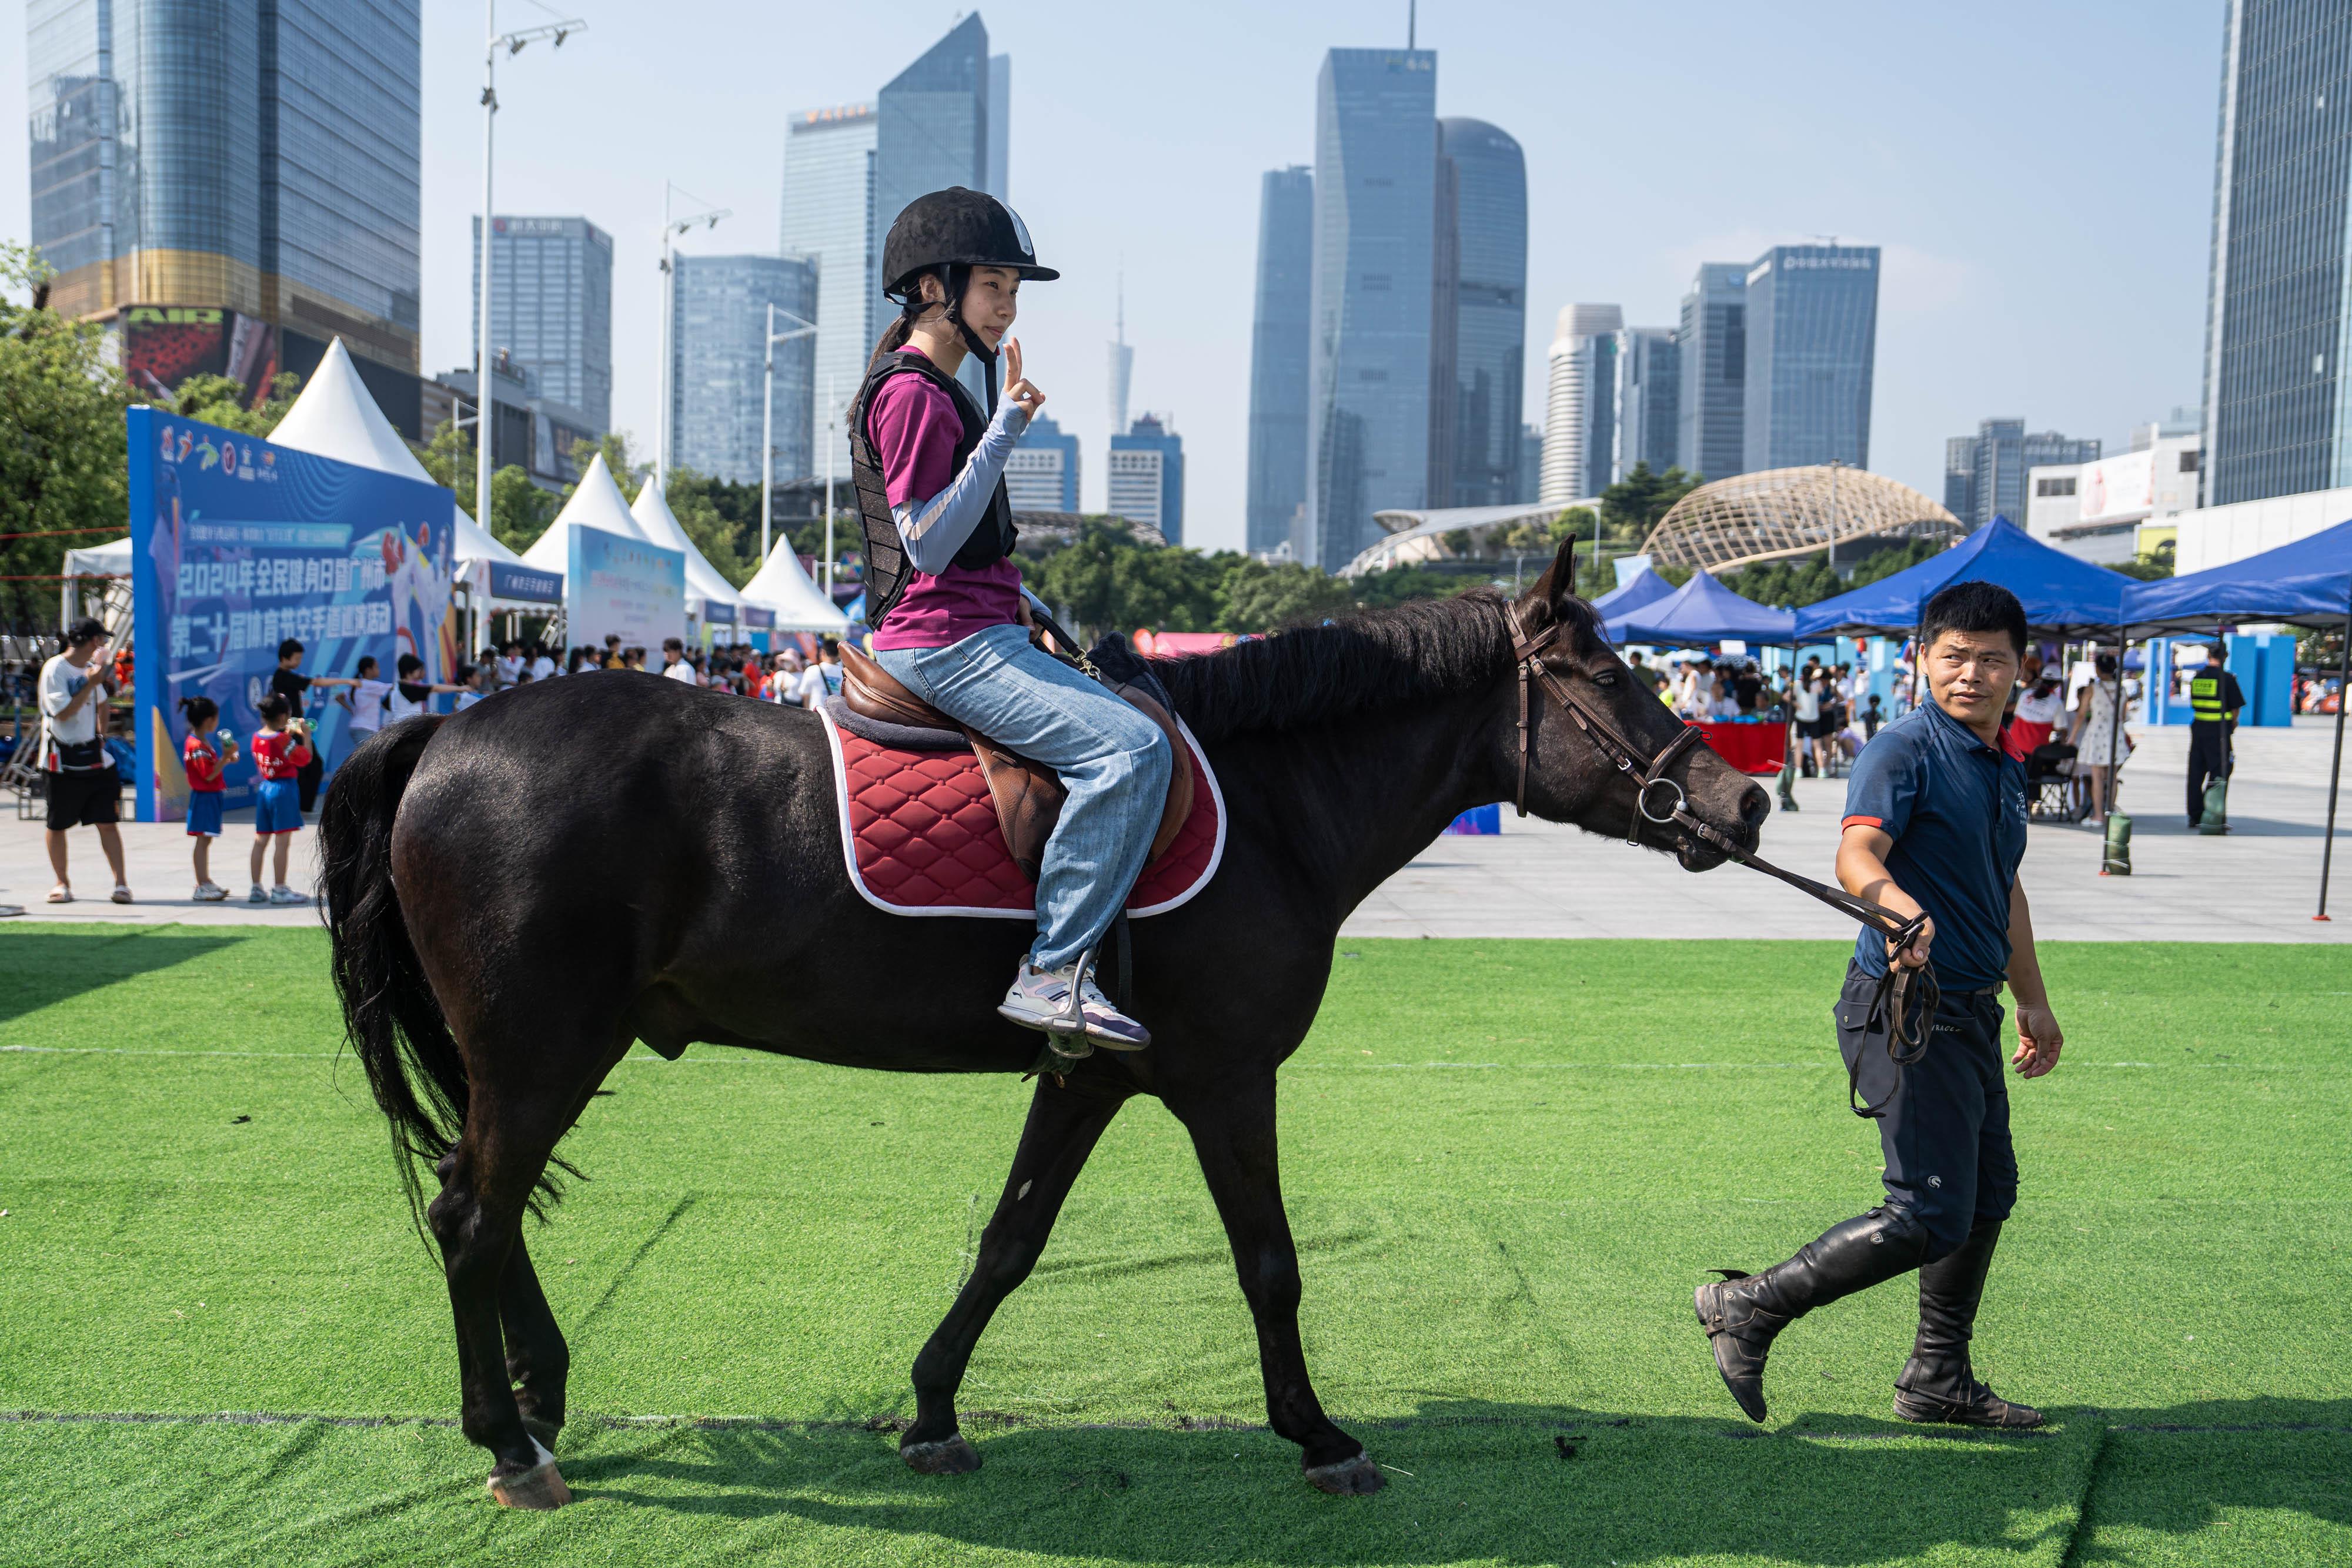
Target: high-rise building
(1579,403)
(1147,476)
(2278,406)
(1713,340)
(1649,393)
(1985,473)
(719,329)
(1122,364)
(931,131)
(1530,480)
(1000,126)
(552,307)
(1478,316)
(234,183)
(1812,336)
(1042,473)
(1279,353)
(828,217)
(1368,377)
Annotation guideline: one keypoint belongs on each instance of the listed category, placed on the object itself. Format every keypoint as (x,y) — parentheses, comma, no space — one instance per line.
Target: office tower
(1985,473)
(1122,364)
(1530,478)
(1580,395)
(719,330)
(1279,351)
(1713,340)
(1812,336)
(1478,315)
(2277,418)
(828,217)
(1000,126)
(1147,476)
(1649,395)
(1042,473)
(1367,377)
(552,307)
(931,132)
(233,184)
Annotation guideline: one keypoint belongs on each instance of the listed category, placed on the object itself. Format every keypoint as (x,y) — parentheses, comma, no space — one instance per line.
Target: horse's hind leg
(1064,1123)
(485,1181)
(1233,1132)
(538,1361)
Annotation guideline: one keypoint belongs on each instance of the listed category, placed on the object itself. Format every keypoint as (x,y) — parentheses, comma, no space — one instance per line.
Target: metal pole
(768,434)
(2336,768)
(832,413)
(661,437)
(2115,733)
(485,397)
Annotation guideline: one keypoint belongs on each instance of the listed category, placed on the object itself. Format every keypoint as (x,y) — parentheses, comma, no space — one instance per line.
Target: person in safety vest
(944,597)
(2214,700)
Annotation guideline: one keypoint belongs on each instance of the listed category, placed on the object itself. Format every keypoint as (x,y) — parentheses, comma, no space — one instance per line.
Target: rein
(1905,1041)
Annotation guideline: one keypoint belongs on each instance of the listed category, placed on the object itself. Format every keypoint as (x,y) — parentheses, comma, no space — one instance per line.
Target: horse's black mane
(1417,651)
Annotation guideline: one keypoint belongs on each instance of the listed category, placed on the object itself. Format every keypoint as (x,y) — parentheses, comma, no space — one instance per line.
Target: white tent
(800,604)
(662,527)
(112,560)
(336,417)
(596,503)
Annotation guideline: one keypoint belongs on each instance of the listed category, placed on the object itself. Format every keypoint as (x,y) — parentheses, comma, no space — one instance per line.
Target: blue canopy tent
(1646,588)
(2061,594)
(1702,611)
(2307,582)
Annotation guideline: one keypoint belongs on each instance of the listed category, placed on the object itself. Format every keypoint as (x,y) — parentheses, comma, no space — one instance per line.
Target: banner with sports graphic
(237,544)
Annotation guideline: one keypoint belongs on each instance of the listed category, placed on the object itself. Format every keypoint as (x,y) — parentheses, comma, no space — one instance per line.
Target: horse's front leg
(1233,1132)
(1063,1124)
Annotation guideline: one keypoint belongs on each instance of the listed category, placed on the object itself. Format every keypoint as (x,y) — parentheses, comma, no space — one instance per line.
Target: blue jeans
(1114,761)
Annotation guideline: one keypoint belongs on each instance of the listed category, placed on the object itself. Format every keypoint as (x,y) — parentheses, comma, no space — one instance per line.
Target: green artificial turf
(1507,1163)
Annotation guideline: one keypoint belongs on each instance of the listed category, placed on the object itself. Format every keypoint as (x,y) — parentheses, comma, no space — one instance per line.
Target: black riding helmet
(949,233)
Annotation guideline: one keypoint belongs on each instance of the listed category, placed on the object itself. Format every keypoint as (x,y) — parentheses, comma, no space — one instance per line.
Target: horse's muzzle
(1750,806)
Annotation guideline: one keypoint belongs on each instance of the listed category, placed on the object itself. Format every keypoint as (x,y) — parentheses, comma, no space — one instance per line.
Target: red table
(1750,748)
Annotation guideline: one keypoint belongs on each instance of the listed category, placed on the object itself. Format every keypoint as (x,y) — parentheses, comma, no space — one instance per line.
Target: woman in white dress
(2095,737)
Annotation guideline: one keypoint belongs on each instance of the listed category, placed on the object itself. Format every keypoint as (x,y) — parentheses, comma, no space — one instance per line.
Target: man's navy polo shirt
(1956,810)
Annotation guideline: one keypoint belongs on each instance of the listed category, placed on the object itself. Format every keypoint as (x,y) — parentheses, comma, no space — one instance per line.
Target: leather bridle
(1906,1028)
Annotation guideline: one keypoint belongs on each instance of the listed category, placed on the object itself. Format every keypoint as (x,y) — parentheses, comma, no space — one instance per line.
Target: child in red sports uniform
(280,752)
(203,762)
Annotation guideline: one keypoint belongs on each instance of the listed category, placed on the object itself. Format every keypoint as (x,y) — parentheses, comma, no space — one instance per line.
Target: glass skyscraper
(1147,476)
(1279,351)
(1478,316)
(828,217)
(1984,473)
(552,307)
(932,125)
(1713,340)
(1812,333)
(1042,473)
(255,160)
(1649,391)
(1369,365)
(719,329)
(2278,420)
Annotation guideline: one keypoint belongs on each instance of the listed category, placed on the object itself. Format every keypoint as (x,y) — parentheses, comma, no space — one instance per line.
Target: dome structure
(1782,512)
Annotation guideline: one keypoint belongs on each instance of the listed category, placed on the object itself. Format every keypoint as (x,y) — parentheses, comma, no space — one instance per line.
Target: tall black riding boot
(1937,1384)
(1743,1311)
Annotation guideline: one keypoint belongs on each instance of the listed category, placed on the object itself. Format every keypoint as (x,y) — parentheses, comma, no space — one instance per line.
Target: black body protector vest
(887,566)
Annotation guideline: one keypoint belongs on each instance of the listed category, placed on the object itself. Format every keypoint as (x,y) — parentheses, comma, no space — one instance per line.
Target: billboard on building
(164,345)
(237,544)
(2116,489)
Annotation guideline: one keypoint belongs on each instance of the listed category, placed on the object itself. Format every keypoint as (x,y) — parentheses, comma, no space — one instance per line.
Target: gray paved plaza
(2258,884)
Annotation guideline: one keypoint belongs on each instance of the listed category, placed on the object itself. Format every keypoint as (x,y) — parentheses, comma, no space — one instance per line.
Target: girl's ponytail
(199,710)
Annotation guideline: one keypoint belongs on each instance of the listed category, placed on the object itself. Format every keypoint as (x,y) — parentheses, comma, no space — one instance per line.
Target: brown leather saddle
(1027,795)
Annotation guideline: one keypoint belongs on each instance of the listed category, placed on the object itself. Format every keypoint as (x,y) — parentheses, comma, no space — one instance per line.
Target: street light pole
(768,415)
(485,393)
(672,227)
(832,415)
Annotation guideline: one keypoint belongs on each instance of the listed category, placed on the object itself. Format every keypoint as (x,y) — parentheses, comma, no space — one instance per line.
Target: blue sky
(2040,176)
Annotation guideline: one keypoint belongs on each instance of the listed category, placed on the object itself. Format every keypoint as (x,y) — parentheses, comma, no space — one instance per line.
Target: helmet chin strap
(972,342)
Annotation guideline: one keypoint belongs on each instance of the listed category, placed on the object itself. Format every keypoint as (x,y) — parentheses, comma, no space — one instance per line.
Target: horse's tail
(394,1023)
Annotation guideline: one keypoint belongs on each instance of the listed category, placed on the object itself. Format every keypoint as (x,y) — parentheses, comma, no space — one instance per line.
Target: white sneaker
(121,894)
(210,893)
(1041,999)
(282,894)
(257,896)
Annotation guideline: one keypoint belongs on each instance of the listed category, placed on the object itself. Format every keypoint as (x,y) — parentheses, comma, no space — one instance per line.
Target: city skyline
(1973,318)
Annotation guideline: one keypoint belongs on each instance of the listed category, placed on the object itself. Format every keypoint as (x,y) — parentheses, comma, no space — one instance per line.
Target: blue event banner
(525,582)
(237,546)
(623,587)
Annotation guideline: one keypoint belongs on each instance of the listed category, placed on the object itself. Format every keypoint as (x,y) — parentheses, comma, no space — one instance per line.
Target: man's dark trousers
(2209,758)
(307,777)
(1943,1128)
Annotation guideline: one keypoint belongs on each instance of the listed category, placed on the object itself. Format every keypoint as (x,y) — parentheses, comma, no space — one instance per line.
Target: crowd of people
(787,676)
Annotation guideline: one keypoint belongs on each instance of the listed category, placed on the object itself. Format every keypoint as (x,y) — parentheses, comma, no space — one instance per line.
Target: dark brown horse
(519,892)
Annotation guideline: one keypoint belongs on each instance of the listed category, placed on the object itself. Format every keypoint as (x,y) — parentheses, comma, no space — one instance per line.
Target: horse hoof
(538,1487)
(1357,1477)
(947,1457)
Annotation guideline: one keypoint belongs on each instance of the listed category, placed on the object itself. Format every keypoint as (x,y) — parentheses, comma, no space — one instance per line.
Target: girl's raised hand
(1018,388)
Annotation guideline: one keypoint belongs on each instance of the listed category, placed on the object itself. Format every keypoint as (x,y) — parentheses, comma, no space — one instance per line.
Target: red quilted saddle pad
(921,837)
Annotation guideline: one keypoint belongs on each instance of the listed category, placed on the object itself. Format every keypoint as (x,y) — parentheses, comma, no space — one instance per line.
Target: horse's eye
(1606,678)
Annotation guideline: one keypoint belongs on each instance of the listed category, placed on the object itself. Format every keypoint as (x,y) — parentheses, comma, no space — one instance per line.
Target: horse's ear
(1558,583)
